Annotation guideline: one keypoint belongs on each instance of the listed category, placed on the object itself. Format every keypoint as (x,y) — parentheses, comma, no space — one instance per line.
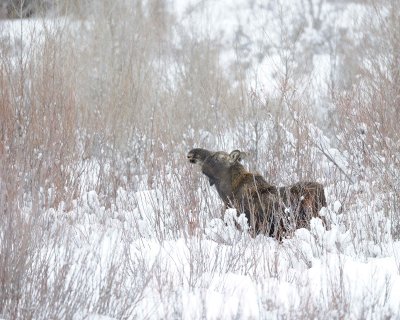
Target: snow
(231,275)
(224,273)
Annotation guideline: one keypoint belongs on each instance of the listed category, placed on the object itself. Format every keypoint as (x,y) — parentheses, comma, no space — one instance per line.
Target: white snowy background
(103,218)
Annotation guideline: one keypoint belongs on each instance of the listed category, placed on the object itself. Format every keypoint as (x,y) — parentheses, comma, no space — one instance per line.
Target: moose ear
(236,156)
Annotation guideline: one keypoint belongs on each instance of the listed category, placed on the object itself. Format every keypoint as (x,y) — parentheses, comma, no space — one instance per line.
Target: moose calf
(269,209)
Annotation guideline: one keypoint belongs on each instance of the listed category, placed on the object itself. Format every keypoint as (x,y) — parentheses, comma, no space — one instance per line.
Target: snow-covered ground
(221,273)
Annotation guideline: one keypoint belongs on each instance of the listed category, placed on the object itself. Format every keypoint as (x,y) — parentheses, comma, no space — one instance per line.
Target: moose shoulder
(269,209)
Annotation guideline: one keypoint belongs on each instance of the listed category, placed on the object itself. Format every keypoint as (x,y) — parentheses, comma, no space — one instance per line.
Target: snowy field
(103,217)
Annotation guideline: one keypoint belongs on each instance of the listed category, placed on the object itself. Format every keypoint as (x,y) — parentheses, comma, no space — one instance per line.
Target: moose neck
(227,183)
(237,174)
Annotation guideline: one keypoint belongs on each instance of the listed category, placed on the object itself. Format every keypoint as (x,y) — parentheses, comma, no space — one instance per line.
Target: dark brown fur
(269,209)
